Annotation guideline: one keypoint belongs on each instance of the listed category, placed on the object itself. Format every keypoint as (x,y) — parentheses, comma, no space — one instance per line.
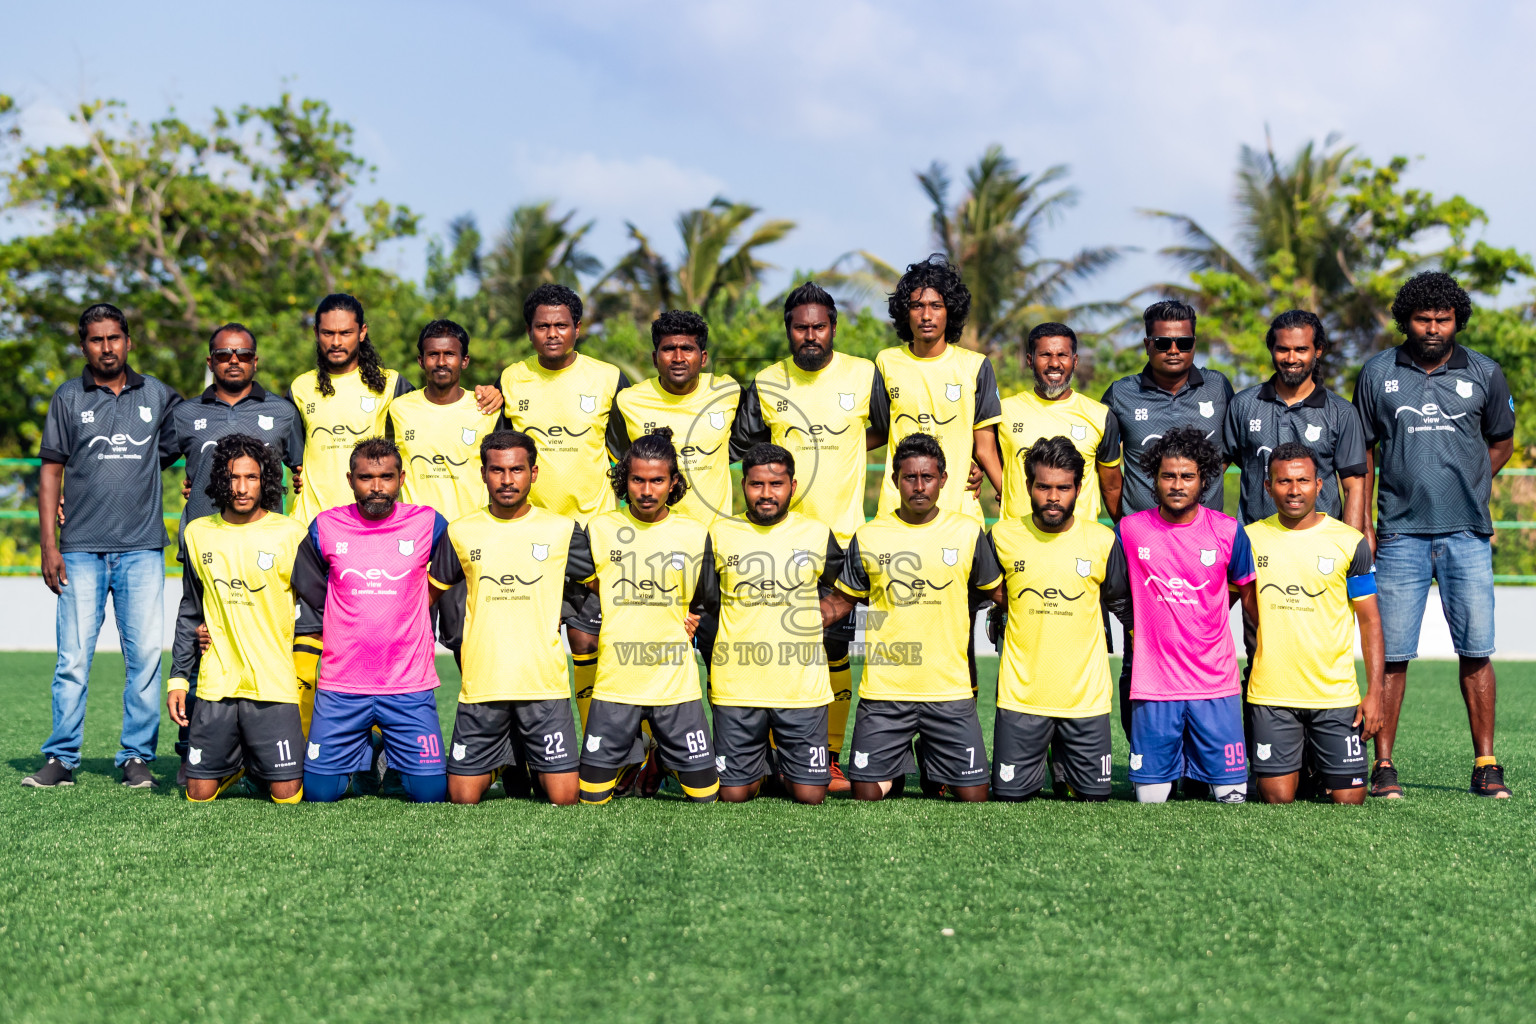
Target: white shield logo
(1207,556)
(540,552)
(717,420)
(459,750)
(1079,432)
(1005,772)
(265,560)
(860,759)
(1207,409)
(845,401)
(314,751)
(145,414)
(951,555)
(408,547)
(468,435)
(1084,567)
(264,422)
(369,403)
(194,755)
(679,560)
(1324,565)
(1135,762)
(593,742)
(588,403)
(800,557)
(952,392)
(1314,432)
(720,764)
(1464,388)
(1264,750)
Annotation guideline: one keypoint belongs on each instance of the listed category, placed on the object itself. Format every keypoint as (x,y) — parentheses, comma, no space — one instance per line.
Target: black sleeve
(623,383)
(1498,410)
(579,566)
(879,406)
(706,593)
(1115,593)
(184,651)
(445,567)
(1349,449)
(389,424)
(58,431)
(170,442)
(834,565)
(989,404)
(618,439)
(1365,404)
(748,428)
(853,577)
(293,456)
(1109,444)
(1230,436)
(403,386)
(311,574)
(1364,562)
(985,572)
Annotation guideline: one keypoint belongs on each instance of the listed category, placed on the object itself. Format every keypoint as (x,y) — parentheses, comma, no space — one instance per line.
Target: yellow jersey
(332,428)
(1026,418)
(566,412)
(649,579)
(701,430)
(440,445)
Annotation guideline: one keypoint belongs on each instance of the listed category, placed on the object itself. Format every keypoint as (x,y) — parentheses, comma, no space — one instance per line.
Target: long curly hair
(368,366)
(935,272)
(655,445)
(1184,443)
(236,446)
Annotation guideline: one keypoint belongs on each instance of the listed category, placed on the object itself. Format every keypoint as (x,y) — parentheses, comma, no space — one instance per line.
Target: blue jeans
(136,581)
(1462,563)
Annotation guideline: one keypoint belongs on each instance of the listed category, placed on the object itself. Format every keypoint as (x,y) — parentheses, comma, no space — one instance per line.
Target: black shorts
(581,609)
(448,615)
(1329,735)
(681,732)
(262,736)
(954,751)
(493,733)
(799,749)
(1020,742)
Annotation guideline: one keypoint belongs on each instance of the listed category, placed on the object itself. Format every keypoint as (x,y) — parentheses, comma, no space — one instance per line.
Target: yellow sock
(1483,762)
(842,700)
(306,668)
(586,678)
(290,799)
(703,793)
(224,784)
(597,792)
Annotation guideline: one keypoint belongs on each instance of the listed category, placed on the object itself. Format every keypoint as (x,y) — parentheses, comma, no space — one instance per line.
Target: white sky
(822,111)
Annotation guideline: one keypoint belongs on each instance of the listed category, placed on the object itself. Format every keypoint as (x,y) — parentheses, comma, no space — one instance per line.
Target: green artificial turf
(120,905)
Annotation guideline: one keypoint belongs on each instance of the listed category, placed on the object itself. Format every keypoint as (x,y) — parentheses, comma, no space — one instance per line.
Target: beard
(377,507)
(758,519)
(1052,390)
(810,359)
(1293,378)
(1425,351)
(1067,511)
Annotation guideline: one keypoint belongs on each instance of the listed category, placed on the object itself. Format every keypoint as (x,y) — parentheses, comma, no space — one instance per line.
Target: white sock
(1153,792)
(1230,794)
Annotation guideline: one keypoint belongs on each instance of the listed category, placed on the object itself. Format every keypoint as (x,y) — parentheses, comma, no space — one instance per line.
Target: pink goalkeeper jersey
(1179,577)
(377,627)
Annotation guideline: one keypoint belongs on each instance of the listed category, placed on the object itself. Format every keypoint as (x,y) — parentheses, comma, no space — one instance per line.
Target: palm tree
(536,248)
(707,276)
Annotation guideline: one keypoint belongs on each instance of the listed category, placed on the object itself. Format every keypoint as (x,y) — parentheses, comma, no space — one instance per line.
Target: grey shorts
(681,732)
(798,751)
(264,737)
(1282,737)
(491,734)
(1020,742)
(581,609)
(953,748)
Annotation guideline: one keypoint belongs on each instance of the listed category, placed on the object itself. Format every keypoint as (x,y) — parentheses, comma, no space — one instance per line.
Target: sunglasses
(1163,344)
(224,355)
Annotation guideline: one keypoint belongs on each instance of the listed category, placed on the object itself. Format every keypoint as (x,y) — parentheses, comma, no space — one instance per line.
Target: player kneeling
(769,673)
(1303,697)
(651,580)
(236,581)
(516,559)
(916,567)
(1053,684)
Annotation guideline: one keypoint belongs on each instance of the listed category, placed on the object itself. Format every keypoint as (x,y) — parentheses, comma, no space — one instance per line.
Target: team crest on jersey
(264,422)
(468,435)
(369,403)
(951,555)
(588,402)
(314,751)
(1084,567)
(720,764)
(679,560)
(800,557)
(459,750)
(145,414)
(952,392)
(540,552)
(265,560)
(408,547)
(860,759)
(845,402)
(1005,772)
(1464,388)
(1314,432)
(1207,409)
(1079,432)
(717,420)
(1207,556)
(1263,750)
(194,755)
(1135,762)
(593,742)
(1324,565)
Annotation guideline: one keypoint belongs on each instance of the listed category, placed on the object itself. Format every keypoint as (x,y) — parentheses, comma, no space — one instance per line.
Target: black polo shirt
(1259,421)
(1433,431)
(113,448)
(1146,412)
(203,420)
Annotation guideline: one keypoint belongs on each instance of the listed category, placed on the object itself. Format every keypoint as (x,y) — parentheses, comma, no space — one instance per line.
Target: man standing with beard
(1442,424)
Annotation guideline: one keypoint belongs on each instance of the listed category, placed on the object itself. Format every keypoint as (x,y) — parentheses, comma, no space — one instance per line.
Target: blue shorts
(1462,563)
(1188,739)
(339,740)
